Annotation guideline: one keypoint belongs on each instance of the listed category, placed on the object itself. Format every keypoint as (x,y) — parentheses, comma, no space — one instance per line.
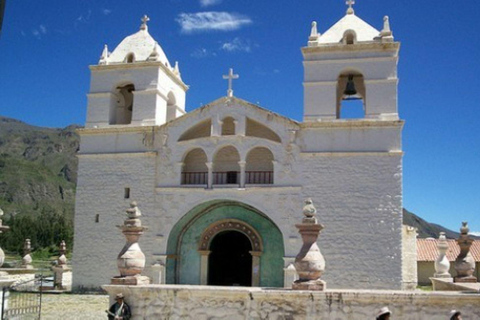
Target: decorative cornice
(117,129)
(138,65)
(363,123)
(365,46)
(123,154)
(353,154)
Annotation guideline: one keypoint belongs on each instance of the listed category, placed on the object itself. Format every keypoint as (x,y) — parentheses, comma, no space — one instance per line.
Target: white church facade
(221,187)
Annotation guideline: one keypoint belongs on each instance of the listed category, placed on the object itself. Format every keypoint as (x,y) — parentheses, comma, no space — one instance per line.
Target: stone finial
(442,265)
(176,69)
(386,33)
(62,259)
(465,264)
(104,57)
(314,35)
(131,260)
(144,26)
(309,211)
(27,259)
(350,4)
(309,262)
(154,55)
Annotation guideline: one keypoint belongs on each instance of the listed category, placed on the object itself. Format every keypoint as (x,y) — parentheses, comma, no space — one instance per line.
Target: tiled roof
(427,250)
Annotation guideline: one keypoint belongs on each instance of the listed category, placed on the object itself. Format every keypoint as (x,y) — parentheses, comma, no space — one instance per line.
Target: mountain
(38,171)
(38,168)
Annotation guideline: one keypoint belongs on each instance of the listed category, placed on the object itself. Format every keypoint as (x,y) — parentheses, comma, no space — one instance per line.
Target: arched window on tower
(349,37)
(228,126)
(351,95)
(122,108)
(130,58)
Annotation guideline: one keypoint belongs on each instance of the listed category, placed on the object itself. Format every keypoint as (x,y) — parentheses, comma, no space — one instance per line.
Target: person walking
(455,315)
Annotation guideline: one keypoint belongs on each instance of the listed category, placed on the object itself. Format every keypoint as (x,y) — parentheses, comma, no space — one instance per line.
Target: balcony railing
(194,177)
(259,177)
(227,177)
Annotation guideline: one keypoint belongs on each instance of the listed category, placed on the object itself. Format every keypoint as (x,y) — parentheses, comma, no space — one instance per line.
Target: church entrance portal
(230,261)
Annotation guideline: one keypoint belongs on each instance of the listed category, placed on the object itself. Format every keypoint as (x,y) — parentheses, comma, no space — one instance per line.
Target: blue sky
(46,47)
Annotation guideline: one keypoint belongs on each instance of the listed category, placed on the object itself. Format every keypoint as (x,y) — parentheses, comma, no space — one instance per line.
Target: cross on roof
(144,19)
(350,4)
(230,76)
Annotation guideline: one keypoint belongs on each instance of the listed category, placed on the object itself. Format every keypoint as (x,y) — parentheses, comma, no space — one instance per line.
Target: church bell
(350,87)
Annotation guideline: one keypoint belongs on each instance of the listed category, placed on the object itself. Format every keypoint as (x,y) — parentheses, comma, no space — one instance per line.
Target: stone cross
(144,19)
(230,76)
(350,4)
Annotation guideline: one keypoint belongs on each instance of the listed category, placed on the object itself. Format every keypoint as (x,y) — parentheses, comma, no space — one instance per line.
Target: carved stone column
(204,254)
(465,264)
(256,268)
(309,262)
(210,174)
(242,165)
(442,265)
(131,260)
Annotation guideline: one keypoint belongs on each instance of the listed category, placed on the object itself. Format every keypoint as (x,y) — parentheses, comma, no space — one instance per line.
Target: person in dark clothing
(455,315)
(120,310)
(384,314)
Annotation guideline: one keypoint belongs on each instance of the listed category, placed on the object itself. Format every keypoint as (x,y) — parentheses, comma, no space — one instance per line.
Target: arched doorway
(230,261)
(189,243)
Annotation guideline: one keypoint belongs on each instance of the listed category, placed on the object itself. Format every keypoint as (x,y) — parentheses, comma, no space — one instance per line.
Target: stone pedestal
(27,258)
(2,229)
(465,264)
(131,260)
(158,273)
(60,281)
(309,263)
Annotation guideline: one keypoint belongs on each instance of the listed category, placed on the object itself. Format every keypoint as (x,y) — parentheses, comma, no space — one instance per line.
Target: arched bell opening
(121,111)
(351,95)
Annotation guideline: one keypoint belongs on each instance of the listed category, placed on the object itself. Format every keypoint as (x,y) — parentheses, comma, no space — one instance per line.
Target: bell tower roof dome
(350,22)
(138,47)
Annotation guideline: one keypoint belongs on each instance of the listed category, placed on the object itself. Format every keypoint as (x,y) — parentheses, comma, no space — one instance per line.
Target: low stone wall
(206,302)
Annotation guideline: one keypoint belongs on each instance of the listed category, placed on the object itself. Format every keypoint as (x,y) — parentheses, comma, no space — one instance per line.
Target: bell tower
(350,61)
(135,85)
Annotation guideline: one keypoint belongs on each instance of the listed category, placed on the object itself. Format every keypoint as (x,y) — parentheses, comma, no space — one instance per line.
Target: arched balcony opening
(200,130)
(121,110)
(226,167)
(259,167)
(256,129)
(228,126)
(351,95)
(195,171)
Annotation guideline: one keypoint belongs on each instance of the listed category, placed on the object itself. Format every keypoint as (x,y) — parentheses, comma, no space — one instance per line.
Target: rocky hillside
(38,172)
(37,168)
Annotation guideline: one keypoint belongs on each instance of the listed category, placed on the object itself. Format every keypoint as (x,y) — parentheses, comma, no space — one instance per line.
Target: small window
(97,218)
(130,58)
(127,193)
(349,39)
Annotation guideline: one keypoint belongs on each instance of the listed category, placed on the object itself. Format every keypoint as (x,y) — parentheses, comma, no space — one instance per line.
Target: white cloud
(206,3)
(36,33)
(106,11)
(212,20)
(236,45)
(475,233)
(201,53)
(276,71)
(43,29)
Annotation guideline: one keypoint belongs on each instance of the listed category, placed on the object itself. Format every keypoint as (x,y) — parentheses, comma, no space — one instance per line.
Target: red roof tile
(427,250)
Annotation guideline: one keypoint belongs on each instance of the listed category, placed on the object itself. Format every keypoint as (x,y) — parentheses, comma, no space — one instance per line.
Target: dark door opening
(230,262)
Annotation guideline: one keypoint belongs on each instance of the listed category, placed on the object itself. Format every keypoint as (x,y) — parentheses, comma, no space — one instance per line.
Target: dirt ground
(74,306)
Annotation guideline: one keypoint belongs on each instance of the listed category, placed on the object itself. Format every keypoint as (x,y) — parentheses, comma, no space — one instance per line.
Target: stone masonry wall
(200,302)
(100,191)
